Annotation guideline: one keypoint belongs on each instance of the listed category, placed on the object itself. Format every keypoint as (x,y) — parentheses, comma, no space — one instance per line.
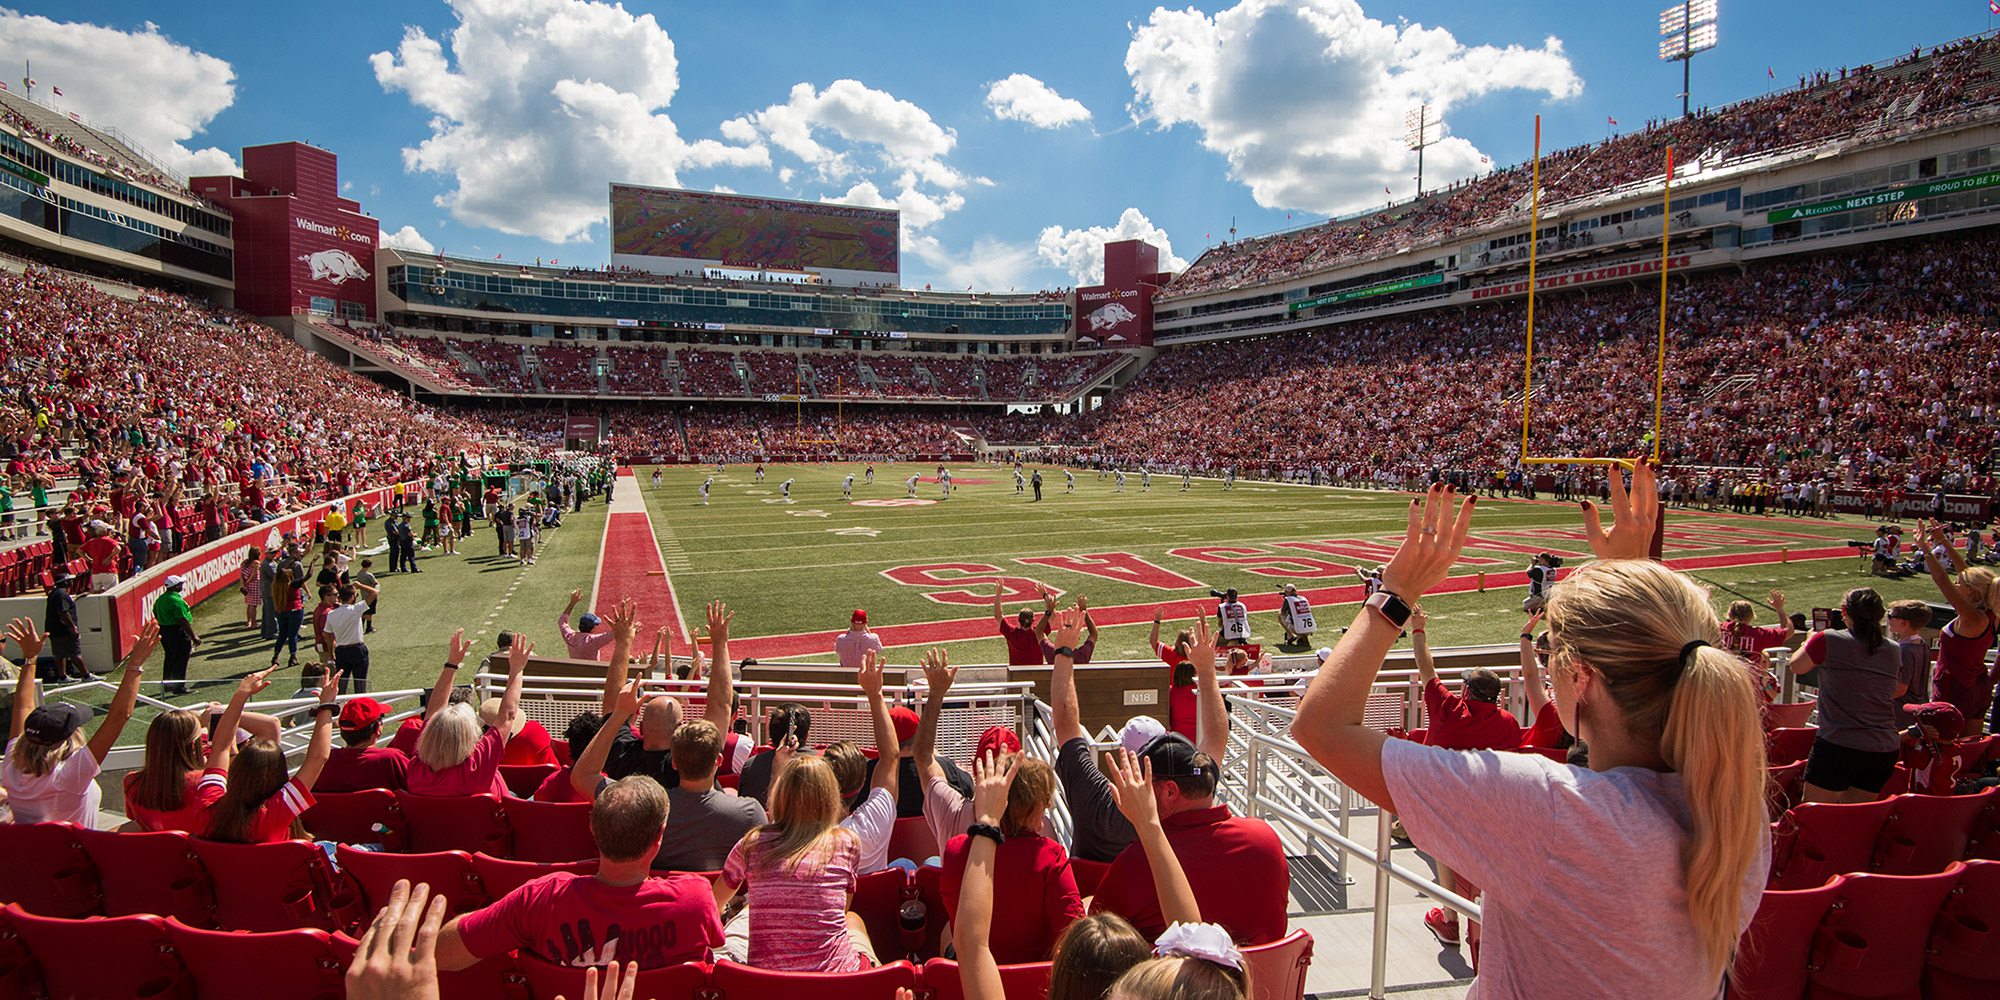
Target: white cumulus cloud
(1081,251)
(1022,98)
(156,90)
(851,128)
(539,104)
(407,238)
(1305,98)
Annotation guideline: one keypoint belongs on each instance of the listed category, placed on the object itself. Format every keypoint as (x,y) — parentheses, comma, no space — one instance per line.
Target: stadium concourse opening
(264,476)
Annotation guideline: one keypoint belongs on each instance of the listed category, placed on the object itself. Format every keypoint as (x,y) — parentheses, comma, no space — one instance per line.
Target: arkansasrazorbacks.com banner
(218,566)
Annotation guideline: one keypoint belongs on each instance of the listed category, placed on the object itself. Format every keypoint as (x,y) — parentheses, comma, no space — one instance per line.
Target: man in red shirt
(1235,864)
(1024,646)
(624,912)
(361,764)
(102,548)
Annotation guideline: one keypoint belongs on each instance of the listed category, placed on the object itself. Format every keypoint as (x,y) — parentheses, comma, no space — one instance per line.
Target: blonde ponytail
(1713,740)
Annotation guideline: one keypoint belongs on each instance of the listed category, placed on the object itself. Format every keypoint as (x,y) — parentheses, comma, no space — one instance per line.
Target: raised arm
(623,620)
(120,711)
(22,632)
(1153,638)
(1132,784)
(517,665)
(1420,647)
(888,753)
(583,777)
(1531,666)
(938,675)
(999,617)
(223,743)
(1211,715)
(1063,706)
(1329,724)
(453,659)
(978,970)
(720,710)
(1784,620)
(320,747)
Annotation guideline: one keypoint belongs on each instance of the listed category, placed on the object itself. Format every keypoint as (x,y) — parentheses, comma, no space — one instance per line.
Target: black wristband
(988,831)
(325,706)
(1527,635)
(1062,651)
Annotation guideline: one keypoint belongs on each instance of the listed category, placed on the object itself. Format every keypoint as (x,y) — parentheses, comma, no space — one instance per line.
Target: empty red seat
(523,779)
(230,965)
(1818,840)
(469,823)
(548,979)
(911,838)
(275,887)
(1774,952)
(742,981)
(1872,940)
(1924,833)
(550,831)
(1278,970)
(1964,962)
(1788,715)
(878,900)
(1784,745)
(60,881)
(364,817)
(503,875)
(120,957)
(155,873)
(1021,982)
(1784,785)
(449,874)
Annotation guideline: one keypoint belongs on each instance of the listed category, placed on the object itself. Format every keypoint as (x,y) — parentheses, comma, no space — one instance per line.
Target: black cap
(56,721)
(1173,756)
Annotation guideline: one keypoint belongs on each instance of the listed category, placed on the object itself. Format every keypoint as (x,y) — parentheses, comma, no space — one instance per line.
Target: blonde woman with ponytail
(1974,592)
(1658,852)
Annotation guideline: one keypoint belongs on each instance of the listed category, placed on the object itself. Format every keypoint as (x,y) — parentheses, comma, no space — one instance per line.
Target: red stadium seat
(1964,961)
(550,831)
(1873,939)
(19,975)
(1775,949)
(1788,715)
(155,873)
(523,779)
(275,887)
(1898,783)
(469,823)
(228,965)
(878,898)
(1020,982)
(61,882)
(103,956)
(1088,874)
(742,982)
(1924,833)
(1818,840)
(1985,835)
(448,873)
(674,982)
(503,875)
(365,817)
(1783,786)
(911,838)
(1784,745)
(1278,970)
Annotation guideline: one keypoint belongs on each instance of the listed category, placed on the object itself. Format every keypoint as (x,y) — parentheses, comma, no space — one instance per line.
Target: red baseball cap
(361,713)
(998,739)
(905,722)
(860,617)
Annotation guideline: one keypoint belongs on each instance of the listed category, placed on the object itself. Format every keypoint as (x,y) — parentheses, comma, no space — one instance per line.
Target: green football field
(794,571)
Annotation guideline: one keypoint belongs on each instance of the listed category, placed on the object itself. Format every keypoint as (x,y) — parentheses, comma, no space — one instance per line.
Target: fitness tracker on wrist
(1390,607)
(1062,651)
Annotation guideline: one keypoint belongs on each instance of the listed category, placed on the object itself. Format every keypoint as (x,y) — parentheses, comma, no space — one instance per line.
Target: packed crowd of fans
(47,130)
(1915,92)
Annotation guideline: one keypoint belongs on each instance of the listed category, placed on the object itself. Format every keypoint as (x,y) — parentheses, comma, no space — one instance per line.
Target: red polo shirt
(1459,723)
(1024,648)
(1235,865)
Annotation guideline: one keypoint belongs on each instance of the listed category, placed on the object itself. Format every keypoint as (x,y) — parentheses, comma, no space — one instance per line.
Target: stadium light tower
(1417,134)
(1685,29)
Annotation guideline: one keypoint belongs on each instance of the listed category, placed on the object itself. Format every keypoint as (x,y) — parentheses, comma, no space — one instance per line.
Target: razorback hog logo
(1108,316)
(334,266)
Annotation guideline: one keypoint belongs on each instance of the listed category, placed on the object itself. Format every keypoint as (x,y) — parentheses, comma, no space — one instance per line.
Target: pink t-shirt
(576,920)
(798,909)
(478,773)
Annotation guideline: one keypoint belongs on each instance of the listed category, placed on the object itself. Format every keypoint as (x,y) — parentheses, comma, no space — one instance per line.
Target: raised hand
(1778,601)
(719,617)
(1067,630)
(575,596)
(23,633)
(517,655)
(1418,619)
(329,690)
(628,700)
(252,684)
(1430,545)
(938,671)
(1635,513)
(991,777)
(397,957)
(1082,604)
(143,645)
(459,646)
(1132,786)
(869,676)
(1202,654)
(1535,620)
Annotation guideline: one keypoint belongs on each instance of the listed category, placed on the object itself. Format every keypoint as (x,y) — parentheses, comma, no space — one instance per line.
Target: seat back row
(400,821)
(1901,835)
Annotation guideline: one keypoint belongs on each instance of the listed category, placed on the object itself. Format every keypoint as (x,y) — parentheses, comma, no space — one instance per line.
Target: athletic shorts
(1837,768)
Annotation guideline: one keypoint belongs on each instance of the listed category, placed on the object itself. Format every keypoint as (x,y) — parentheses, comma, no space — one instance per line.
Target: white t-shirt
(344,621)
(872,824)
(68,794)
(1544,841)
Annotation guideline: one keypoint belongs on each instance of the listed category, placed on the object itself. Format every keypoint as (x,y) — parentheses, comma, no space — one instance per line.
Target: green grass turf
(785,569)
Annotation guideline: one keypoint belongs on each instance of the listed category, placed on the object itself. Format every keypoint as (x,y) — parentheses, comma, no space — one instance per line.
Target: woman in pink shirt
(455,756)
(801,868)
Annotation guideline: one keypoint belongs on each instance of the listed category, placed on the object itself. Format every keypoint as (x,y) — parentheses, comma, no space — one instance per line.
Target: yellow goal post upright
(1528,363)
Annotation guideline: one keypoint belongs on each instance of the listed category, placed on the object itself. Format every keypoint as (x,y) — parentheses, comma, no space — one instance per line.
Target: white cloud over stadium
(156,90)
(537,105)
(1305,98)
(1080,252)
(407,238)
(1022,98)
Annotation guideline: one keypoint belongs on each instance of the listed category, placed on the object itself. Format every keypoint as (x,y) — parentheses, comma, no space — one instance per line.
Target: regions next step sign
(1911,192)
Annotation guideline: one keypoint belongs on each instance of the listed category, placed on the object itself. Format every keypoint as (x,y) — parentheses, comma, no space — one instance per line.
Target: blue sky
(492,126)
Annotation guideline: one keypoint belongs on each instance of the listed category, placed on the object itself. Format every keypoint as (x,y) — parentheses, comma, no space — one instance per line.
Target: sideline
(629,564)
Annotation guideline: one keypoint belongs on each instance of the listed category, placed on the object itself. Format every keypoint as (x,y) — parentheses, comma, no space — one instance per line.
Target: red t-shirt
(1235,865)
(576,920)
(1547,730)
(1459,723)
(1183,709)
(478,773)
(1032,884)
(556,788)
(1024,648)
(102,551)
(191,817)
(273,822)
(354,769)
(529,746)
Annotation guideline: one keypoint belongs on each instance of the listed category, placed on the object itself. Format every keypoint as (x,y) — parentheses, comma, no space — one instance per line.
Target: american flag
(1993,6)
(58,91)
(1613,122)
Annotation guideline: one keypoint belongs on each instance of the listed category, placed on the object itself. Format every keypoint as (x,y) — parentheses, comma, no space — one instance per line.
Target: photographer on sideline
(1541,576)
(1232,619)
